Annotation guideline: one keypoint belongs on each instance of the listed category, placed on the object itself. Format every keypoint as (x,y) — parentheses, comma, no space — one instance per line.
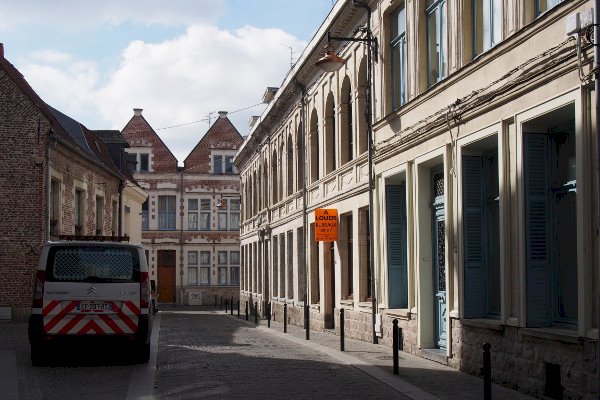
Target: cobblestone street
(203,355)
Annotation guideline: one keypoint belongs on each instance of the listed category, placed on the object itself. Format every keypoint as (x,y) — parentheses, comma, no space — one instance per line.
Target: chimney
(137,112)
(253,120)
(222,114)
(1,50)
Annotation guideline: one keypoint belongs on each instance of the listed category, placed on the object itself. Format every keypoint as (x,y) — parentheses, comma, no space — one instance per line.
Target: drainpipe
(369,119)
(120,215)
(304,196)
(597,128)
(48,177)
(180,236)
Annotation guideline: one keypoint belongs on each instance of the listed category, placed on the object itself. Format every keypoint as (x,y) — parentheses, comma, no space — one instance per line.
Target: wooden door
(166,276)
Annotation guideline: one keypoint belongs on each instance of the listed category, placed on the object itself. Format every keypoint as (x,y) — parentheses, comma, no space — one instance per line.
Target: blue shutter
(396,245)
(538,268)
(473,237)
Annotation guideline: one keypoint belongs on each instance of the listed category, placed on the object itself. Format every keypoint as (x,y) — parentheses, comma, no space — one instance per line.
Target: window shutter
(473,237)
(538,269)
(396,245)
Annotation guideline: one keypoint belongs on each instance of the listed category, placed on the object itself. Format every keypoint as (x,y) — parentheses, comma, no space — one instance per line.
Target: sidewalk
(418,378)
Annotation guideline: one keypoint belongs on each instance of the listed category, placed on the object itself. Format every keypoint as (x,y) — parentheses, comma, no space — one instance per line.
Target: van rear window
(92,264)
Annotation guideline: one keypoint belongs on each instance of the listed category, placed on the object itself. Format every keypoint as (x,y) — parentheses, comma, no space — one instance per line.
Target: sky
(181,61)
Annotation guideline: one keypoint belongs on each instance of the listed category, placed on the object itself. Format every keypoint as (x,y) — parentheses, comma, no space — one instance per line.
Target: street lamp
(331,62)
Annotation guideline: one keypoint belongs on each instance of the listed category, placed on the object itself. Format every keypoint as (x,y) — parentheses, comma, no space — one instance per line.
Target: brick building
(190,223)
(482,178)
(56,177)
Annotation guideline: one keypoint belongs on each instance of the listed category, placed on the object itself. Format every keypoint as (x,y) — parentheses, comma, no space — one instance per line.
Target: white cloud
(71,15)
(176,81)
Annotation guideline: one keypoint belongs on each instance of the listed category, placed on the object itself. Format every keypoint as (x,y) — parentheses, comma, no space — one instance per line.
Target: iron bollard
(238,308)
(342,329)
(221,303)
(226,303)
(215,301)
(285,318)
(487,372)
(231,304)
(256,312)
(395,345)
(306,320)
(246,310)
(269,314)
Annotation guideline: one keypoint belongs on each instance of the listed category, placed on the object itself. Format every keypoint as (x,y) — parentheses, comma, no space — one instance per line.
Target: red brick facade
(34,145)
(196,182)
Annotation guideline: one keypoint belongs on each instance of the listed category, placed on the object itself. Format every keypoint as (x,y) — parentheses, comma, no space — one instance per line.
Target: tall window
(193,214)
(218,164)
(205,267)
(487,25)
(205,214)
(166,213)
(192,267)
(541,6)
(481,227)
(234,214)
(551,219)
(54,206)
(115,218)
(99,214)
(229,165)
(398,48)
(145,216)
(234,260)
(437,56)
(222,262)
(144,163)
(79,211)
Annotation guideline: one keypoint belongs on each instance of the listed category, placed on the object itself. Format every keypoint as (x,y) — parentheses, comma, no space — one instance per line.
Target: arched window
(362,121)
(346,123)
(300,157)
(274,177)
(290,165)
(314,146)
(330,142)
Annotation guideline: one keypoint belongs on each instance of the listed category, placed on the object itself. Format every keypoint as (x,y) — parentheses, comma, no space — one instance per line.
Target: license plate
(91,306)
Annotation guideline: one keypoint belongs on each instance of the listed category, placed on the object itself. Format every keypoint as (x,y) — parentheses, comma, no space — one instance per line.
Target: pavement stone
(418,378)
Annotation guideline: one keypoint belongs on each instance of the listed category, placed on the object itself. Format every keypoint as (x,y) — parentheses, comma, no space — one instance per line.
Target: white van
(93,291)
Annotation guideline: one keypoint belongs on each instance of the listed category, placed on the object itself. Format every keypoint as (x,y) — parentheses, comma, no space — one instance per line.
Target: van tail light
(144,290)
(38,289)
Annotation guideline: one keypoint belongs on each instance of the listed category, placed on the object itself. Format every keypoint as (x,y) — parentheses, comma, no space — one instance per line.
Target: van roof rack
(94,238)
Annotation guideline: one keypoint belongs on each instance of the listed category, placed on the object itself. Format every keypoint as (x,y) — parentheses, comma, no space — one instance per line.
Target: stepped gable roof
(221,135)
(138,133)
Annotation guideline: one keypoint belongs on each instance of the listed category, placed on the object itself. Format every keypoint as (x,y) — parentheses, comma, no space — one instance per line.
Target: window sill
(347,303)
(489,324)
(402,313)
(551,334)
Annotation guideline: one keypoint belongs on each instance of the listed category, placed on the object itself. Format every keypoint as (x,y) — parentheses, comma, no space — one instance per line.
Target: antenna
(292,52)
(208,116)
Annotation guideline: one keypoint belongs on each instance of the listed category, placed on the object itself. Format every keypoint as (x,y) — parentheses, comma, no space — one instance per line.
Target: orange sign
(326,224)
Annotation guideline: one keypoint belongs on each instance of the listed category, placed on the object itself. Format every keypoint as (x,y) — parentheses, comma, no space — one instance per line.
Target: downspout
(369,120)
(180,236)
(304,215)
(48,178)
(597,129)
(121,188)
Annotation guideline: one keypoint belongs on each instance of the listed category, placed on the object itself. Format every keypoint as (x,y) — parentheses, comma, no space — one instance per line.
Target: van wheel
(38,355)
(143,353)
